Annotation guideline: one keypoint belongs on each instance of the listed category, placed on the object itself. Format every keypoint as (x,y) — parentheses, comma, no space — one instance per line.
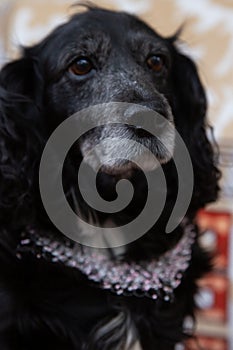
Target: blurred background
(208,38)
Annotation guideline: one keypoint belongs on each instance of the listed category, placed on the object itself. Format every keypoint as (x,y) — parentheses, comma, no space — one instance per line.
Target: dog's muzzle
(129,136)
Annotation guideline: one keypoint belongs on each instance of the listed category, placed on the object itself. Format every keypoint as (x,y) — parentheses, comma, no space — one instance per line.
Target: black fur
(49,306)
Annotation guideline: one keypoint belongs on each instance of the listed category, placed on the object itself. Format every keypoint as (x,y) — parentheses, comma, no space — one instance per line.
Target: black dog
(98,57)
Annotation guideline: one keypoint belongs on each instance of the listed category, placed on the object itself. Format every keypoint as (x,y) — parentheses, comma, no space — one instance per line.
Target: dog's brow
(88,43)
(142,42)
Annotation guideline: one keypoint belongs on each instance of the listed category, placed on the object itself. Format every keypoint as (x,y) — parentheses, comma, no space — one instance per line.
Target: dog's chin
(122,170)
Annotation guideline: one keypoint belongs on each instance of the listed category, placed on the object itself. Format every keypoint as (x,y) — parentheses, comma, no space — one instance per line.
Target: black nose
(147,123)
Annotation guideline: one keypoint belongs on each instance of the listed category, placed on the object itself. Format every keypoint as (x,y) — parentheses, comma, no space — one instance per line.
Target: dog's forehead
(110,22)
(115,27)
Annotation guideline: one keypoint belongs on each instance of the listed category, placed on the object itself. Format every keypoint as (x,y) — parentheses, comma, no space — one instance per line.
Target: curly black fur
(49,306)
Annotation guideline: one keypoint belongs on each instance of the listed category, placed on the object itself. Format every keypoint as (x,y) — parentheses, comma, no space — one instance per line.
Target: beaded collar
(157,278)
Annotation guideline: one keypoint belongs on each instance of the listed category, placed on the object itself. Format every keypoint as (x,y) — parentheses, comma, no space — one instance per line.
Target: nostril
(140,132)
(161,120)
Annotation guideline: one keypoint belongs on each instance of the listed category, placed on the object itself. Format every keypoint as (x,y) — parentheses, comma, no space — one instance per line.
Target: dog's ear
(23,77)
(189,97)
(21,95)
(189,108)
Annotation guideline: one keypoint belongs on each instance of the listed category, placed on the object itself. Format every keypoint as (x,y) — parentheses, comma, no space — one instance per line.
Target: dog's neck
(156,278)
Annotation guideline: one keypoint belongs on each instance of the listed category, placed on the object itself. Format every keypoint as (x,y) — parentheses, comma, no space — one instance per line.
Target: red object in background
(207,343)
(214,288)
(213,297)
(216,233)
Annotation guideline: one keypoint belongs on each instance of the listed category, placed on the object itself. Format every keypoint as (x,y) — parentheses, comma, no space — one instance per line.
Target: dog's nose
(150,121)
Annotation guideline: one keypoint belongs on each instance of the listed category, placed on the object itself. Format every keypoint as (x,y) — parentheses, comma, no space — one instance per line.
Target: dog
(49,299)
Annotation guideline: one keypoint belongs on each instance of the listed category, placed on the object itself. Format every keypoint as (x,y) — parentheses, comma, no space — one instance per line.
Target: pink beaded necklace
(154,278)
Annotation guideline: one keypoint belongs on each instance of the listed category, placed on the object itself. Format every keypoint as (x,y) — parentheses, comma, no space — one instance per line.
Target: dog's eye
(81,66)
(156,63)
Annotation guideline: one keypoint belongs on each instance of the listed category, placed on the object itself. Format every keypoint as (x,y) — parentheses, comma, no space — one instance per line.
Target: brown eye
(156,63)
(81,66)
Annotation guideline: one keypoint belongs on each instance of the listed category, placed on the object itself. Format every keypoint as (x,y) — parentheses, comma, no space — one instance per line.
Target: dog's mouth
(121,149)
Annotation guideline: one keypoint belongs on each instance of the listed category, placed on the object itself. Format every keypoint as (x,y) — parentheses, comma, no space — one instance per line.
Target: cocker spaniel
(54,292)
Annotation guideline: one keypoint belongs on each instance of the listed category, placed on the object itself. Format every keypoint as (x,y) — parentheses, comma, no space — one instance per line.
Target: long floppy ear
(189,104)
(20,118)
(190,98)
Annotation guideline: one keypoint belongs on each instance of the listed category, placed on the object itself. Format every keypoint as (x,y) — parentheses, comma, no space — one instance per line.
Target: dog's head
(100,57)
